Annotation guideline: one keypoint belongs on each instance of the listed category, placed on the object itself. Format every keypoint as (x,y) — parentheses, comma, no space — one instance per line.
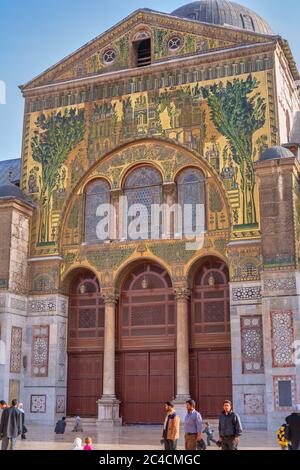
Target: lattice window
(210,298)
(97,193)
(147,306)
(86,312)
(143,187)
(191,191)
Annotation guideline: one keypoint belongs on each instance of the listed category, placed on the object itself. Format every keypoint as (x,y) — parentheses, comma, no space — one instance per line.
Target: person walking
(78,425)
(293,422)
(230,427)
(171,427)
(209,434)
(192,426)
(24,429)
(60,426)
(10,426)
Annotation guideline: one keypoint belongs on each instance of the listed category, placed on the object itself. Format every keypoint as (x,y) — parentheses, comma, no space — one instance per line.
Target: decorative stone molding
(240,294)
(2,301)
(40,350)
(254,404)
(282,338)
(60,404)
(18,304)
(284,284)
(42,305)
(276,394)
(38,403)
(16,350)
(252,344)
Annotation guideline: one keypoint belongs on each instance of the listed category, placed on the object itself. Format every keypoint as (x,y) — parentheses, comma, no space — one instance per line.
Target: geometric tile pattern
(254,404)
(60,404)
(16,350)
(40,351)
(282,334)
(252,344)
(246,293)
(38,403)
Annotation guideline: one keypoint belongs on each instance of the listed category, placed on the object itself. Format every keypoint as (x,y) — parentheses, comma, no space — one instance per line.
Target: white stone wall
(12,314)
(248,378)
(281,327)
(45,395)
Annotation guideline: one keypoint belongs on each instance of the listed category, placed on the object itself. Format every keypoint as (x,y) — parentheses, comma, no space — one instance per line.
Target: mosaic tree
(238,113)
(55,137)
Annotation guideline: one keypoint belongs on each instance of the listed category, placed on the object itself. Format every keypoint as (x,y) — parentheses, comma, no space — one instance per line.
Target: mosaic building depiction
(196,106)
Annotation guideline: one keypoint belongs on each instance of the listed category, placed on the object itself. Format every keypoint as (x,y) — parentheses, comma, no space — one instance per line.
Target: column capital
(110,297)
(182,293)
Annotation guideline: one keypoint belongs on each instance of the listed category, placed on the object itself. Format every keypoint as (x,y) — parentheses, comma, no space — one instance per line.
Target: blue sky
(36,34)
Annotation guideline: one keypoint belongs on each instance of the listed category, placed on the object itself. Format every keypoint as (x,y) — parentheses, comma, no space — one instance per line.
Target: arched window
(86,310)
(97,192)
(143,186)
(191,198)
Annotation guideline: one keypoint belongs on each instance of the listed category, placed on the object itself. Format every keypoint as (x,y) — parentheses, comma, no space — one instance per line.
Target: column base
(109,411)
(180,406)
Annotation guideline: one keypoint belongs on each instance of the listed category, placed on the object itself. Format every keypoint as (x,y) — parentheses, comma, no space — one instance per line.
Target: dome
(275,153)
(11,191)
(224,13)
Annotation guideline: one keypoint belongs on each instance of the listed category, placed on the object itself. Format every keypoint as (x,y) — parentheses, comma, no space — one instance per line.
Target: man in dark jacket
(10,426)
(293,421)
(230,427)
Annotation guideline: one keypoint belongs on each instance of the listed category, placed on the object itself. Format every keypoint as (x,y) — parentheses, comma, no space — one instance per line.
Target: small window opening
(143,52)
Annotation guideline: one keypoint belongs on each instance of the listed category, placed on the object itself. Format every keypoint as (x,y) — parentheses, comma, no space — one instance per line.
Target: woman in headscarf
(77,444)
(24,429)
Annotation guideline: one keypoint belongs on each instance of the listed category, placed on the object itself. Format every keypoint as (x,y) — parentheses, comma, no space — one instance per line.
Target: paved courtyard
(126,438)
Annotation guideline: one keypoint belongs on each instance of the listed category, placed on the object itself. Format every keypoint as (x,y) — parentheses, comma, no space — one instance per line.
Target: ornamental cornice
(239,51)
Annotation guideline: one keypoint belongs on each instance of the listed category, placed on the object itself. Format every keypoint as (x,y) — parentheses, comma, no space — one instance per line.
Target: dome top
(275,153)
(11,191)
(224,13)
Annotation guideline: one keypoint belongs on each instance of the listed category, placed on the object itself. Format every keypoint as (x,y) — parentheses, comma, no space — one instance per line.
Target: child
(78,425)
(88,443)
(209,434)
(77,444)
(281,437)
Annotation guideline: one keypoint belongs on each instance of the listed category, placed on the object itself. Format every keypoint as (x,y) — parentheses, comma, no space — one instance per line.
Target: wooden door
(84,383)
(148,380)
(210,380)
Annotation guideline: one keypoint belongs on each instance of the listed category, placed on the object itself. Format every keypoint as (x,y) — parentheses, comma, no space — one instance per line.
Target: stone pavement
(41,437)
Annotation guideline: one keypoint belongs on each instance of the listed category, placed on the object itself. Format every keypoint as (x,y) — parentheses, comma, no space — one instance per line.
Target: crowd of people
(12,425)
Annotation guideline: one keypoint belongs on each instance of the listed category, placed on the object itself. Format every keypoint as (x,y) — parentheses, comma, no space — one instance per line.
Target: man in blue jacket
(230,427)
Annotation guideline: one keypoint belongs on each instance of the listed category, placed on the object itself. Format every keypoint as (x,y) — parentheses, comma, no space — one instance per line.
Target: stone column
(108,405)
(182,357)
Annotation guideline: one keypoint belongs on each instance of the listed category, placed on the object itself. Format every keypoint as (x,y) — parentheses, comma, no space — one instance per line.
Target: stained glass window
(97,192)
(191,197)
(143,186)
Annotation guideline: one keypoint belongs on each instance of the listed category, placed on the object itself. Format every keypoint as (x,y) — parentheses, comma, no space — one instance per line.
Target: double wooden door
(145,380)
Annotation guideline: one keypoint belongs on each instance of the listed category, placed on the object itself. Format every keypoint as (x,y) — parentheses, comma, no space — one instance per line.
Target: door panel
(84,383)
(210,380)
(148,381)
